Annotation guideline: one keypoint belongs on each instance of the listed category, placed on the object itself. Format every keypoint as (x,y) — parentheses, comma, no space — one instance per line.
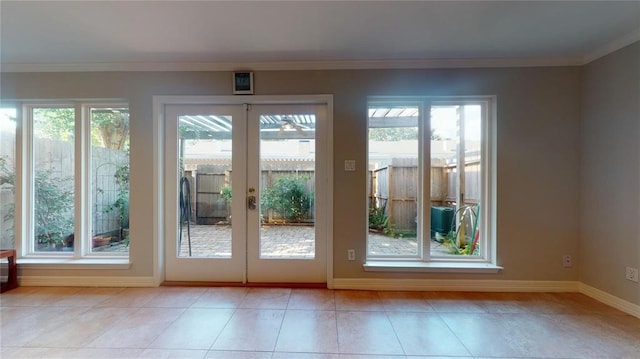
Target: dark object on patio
(185,209)
(441,218)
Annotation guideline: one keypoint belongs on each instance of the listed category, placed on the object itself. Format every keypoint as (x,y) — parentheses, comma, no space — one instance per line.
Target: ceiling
(176,35)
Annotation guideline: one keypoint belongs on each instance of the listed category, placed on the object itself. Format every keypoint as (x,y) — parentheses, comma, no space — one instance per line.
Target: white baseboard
(456,285)
(610,300)
(76,281)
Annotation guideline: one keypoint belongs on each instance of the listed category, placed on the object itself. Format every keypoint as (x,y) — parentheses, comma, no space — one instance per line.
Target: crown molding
(296,65)
(614,45)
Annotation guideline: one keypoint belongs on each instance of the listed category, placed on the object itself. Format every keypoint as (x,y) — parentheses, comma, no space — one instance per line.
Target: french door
(245,193)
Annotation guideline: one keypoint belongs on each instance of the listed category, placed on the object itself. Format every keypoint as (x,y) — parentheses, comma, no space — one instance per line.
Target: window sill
(431,267)
(74,263)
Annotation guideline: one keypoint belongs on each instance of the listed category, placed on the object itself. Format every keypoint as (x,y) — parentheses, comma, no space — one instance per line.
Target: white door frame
(160,196)
(273,269)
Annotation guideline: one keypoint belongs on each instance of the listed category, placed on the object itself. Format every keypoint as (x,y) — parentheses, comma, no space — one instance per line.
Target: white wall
(610,173)
(538,112)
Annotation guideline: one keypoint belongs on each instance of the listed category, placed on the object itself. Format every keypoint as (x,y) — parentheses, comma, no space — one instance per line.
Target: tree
(54,123)
(109,127)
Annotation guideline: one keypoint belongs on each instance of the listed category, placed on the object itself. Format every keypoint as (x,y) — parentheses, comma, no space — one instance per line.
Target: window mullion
(424,190)
(24,193)
(488,194)
(81,183)
(460,148)
(29,188)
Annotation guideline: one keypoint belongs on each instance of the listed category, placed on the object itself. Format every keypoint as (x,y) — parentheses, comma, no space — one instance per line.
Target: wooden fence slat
(396,184)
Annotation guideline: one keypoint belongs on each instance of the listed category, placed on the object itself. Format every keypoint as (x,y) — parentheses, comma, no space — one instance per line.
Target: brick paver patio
(281,241)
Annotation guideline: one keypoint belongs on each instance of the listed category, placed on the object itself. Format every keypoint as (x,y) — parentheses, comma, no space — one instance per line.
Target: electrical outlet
(349,165)
(632,274)
(567,261)
(351,254)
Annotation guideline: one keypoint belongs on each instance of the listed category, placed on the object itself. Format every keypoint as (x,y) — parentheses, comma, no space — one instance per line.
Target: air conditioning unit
(441,218)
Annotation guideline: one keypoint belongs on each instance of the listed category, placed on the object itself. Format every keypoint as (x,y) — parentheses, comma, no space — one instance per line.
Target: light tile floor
(279,323)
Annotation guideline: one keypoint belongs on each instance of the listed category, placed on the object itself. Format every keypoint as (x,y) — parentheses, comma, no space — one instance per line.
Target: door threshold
(238,284)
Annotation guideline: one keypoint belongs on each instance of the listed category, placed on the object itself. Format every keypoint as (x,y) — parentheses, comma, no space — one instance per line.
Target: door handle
(251,199)
(251,202)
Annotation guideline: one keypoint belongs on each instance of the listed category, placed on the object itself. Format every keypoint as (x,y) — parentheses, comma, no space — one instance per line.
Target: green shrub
(53,208)
(53,205)
(289,197)
(378,219)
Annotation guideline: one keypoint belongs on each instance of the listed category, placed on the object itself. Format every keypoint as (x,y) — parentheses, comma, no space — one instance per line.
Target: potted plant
(458,240)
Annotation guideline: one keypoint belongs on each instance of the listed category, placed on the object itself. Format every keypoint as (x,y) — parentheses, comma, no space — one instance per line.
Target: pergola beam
(393,122)
(265,135)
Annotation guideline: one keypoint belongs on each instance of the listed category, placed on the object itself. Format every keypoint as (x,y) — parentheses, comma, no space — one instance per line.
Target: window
(7,176)
(77,161)
(440,212)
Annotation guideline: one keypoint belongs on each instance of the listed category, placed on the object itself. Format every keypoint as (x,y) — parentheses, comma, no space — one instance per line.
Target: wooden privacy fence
(212,208)
(394,186)
(56,158)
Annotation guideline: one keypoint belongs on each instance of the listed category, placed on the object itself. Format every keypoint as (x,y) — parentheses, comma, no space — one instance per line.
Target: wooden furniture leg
(12,278)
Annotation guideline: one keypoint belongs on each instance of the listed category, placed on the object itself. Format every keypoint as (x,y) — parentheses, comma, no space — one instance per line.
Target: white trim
(486,261)
(159,103)
(431,267)
(89,281)
(609,299)
(612,46)
(22,198)
(243,99)
(298,65)
(329,187)
(86,262)
(455,285)
(158,183)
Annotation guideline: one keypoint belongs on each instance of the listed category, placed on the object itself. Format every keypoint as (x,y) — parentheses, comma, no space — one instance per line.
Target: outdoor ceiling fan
(287,123)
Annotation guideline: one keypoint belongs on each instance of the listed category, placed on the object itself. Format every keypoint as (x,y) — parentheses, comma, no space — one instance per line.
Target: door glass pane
(393,181)
(53,196)
(287,200)
(204,170)
(7,176)
(455,180)
(110,179)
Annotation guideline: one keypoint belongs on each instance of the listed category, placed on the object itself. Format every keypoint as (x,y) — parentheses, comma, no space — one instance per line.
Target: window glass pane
(205,170)
(287,203)
(53,164)
(7,176)
(455,180)
(110,179)
(393,181)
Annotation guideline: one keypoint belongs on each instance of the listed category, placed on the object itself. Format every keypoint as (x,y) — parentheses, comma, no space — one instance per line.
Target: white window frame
(485,262)
(24,211)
